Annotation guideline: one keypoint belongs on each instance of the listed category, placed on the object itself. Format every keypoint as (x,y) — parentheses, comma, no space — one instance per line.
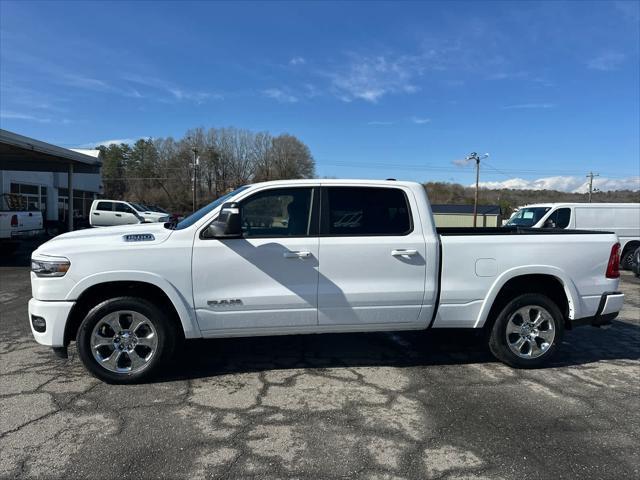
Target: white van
(106,213)
(621,218)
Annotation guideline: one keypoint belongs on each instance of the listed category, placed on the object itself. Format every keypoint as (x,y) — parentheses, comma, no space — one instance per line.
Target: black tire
(9,248)
(498,342)
(165,329)
(627,259)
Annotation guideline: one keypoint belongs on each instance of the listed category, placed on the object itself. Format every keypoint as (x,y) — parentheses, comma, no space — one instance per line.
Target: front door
(268,279)
(124,214)
(373,258)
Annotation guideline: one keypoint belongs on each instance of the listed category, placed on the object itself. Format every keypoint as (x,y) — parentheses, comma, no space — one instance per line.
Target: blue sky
(550,90)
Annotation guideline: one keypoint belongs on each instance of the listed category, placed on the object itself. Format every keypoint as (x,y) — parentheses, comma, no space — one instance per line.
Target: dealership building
(49,177)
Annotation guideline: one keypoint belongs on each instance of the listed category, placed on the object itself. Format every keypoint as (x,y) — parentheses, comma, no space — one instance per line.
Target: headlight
(164,219)
(50,268)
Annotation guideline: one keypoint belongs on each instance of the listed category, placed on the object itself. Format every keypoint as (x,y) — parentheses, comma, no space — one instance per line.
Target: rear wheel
(125,339)
(527,332)
(626,261)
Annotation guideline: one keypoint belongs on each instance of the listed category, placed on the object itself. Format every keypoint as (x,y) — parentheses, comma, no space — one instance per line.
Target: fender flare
(180,303)
(567,284)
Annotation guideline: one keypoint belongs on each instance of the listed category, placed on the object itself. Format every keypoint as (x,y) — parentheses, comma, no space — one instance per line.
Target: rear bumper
(608,309)
(55,315)
(17,235)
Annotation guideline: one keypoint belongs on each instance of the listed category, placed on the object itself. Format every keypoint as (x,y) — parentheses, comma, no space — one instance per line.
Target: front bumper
(608,309)
(55,315)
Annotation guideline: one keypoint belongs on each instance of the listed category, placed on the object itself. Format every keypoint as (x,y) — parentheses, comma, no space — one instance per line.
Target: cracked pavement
(379,406)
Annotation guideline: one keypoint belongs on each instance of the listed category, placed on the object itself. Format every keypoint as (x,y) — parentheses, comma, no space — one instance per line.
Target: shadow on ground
(209,358)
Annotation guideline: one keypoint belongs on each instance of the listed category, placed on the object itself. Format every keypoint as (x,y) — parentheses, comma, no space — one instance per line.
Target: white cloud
(566,184)
(462,162)
(168,88)
(81,81)
(280,95)
(530,106)
(606,61)
(375,122)
(629,9)
(297,61)
(106,143)
(420,121)
(371,78)
(7,115)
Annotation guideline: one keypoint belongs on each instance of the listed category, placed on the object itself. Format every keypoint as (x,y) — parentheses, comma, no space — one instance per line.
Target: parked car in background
(623,219)
(315,256)
(155,208)
(635,263)
(17,221)
(107,213)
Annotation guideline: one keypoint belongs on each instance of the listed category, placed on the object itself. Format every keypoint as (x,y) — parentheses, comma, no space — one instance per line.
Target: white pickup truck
(17,221)
(314,256)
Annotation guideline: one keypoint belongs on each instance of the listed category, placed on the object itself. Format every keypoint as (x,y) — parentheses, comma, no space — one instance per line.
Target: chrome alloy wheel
(124,341)
(530,331)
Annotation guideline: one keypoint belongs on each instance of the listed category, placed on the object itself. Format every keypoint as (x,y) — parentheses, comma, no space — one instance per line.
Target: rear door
(102,214)
(372,257)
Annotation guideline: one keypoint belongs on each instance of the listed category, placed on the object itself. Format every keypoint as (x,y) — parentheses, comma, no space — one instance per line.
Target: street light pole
(195,175)
(475,200)
(473,156)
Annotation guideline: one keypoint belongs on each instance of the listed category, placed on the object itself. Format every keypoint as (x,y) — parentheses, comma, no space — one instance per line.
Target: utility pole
(590,177)
(195,175)
(473,156)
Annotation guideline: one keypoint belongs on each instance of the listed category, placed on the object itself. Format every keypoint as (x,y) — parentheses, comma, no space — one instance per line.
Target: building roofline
(27,143)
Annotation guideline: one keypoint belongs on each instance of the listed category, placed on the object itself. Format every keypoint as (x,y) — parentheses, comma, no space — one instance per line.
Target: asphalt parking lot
(379,406)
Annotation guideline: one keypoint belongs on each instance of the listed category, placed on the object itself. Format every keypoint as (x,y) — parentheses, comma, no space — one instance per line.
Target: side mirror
(228,224)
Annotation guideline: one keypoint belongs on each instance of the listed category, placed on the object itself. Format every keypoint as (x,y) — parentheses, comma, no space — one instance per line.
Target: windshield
(195,216)
(138,207)
(154,208)
(528,217)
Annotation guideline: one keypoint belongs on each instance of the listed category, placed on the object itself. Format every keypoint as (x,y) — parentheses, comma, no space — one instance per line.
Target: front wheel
(125,339)
(527,332)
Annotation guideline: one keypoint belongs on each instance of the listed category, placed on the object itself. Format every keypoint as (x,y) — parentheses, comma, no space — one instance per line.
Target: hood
(105,238)
(154,214)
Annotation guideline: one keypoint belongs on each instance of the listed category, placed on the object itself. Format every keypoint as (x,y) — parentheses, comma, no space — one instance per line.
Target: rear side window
(563,217)
(105,206)
(356,211)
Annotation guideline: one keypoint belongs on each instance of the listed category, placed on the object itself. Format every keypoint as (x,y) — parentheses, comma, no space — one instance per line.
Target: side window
(282,212)
(124,208)
(366,211)
(558,219)
(104,206)
(563,217)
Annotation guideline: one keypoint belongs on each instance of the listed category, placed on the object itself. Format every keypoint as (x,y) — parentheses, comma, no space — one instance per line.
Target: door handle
(118,215)
(297,254)
(96,213)
(401,253)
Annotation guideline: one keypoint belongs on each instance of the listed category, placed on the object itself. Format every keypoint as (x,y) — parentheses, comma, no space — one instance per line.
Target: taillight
(14,220)
(613,267)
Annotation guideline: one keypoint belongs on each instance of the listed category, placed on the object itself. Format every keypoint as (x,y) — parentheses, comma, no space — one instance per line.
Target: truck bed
(477,261)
